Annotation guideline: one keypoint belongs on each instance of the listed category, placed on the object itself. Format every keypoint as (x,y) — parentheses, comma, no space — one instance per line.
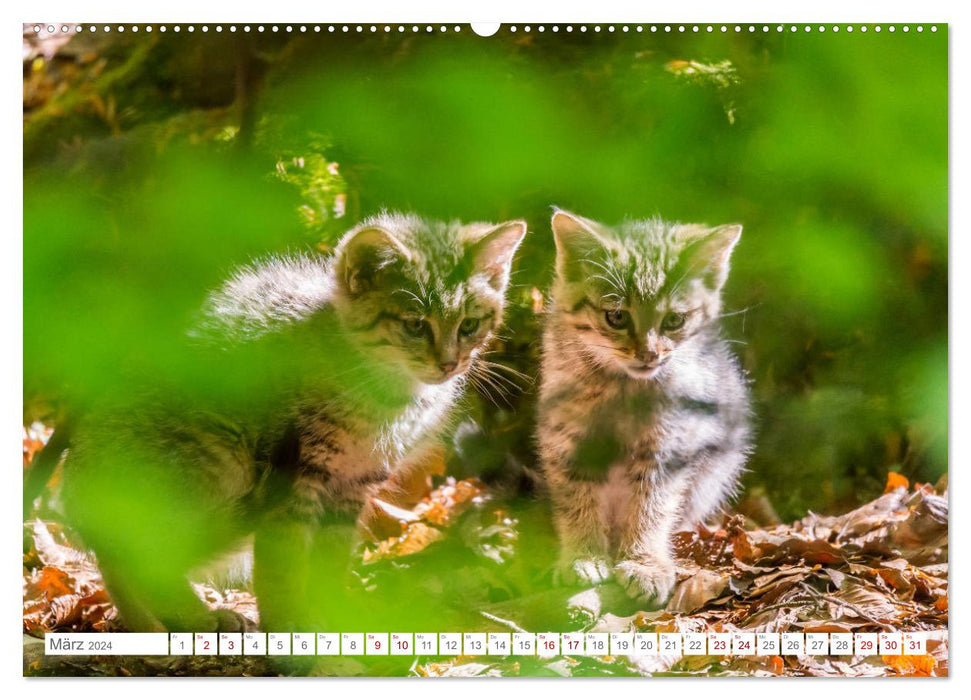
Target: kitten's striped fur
(643,410)
(365,352)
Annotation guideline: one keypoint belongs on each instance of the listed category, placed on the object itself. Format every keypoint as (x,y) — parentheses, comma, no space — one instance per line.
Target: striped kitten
(337,372)
(643,410)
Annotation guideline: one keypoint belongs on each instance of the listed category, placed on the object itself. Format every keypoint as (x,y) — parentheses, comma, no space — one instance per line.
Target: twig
(788,604)
(836,601)
(505,623)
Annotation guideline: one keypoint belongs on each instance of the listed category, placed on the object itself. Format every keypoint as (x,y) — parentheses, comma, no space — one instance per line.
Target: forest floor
(882,567)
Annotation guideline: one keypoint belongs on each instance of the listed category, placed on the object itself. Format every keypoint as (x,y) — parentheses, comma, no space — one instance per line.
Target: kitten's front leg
(583,558)
(302,553)
(576,462)
(647,569)
(282,571)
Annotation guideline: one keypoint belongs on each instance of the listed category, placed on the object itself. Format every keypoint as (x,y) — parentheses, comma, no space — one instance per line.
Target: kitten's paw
(650,581)
(583,571)
(231,621)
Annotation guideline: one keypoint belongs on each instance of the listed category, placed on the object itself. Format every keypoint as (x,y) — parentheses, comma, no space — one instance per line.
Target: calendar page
(485,350)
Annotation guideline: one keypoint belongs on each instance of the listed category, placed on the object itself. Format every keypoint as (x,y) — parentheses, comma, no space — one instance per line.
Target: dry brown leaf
(905,665)
(867,600)
(415,538)
(50,583)
(830,627)
(896,481)
(692,593)
(34,439)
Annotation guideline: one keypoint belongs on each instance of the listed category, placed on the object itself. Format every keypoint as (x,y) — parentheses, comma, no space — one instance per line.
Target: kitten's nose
(647,357)
(447,367)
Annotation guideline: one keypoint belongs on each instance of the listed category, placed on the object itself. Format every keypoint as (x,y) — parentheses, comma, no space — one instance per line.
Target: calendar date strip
(541,644)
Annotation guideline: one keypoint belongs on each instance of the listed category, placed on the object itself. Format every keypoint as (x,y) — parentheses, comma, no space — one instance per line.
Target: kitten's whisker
(611,282)
(481,391)
(616,281)
(491,368)
(497,370)
(506,368)
(675,286)
(596,263)
(503,383)
(689,269)
(493,351)
(740,311)
(495,397)
(488,390)
(495,367)
(422,303)
(482,381)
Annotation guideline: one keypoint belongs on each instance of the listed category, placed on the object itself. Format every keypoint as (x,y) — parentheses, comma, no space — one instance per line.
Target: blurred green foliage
(154,163)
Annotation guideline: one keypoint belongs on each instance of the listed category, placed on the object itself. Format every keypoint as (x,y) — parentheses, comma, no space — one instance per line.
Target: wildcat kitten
(321,376)
(643,410)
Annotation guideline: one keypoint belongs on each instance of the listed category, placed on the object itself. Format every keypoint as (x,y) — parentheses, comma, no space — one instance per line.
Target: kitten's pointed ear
(493,253)
(364,254)
(712,251)
(576,240)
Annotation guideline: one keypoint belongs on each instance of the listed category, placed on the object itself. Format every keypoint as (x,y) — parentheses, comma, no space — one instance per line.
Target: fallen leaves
(698,590)
(49,584)
(904,665)
(242,603)
(50,602)
(416,537)
(34,439)
(896,481)
(458,670)
(417,528)
(62,589)
(722,74)
(881,567)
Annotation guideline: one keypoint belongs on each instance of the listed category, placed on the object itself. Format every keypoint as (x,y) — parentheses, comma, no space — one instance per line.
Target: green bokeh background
(156,162)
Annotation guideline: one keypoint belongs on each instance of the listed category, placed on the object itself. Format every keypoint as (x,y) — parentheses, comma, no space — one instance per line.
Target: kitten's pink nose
(448,367)
(647,357)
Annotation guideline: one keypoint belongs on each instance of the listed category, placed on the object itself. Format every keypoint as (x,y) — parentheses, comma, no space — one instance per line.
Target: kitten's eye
(672,321)
(468,326)
(617,318)
(414,325)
